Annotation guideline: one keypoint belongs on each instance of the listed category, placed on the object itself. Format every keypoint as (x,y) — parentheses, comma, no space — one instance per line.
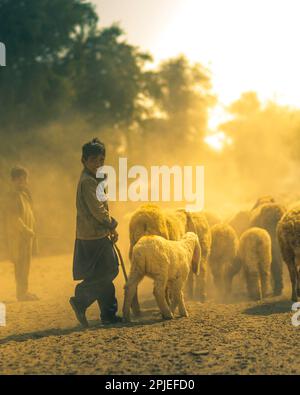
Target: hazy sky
(248,44)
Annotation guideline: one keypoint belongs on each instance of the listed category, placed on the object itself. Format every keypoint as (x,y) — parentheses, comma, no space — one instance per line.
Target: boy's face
(20,181)
(94,162)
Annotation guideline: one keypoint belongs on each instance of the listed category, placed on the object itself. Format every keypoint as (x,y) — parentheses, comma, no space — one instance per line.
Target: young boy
(95,261)
(20,233)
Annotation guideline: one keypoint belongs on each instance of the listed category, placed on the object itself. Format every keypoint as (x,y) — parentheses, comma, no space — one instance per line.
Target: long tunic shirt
(20,224)
(94,255)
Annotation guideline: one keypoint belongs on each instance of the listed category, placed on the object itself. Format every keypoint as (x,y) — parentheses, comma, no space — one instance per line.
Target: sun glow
(217,141)
(247,45)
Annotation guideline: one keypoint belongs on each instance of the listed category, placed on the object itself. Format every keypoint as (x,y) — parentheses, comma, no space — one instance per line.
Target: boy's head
(19,176)
(93,155)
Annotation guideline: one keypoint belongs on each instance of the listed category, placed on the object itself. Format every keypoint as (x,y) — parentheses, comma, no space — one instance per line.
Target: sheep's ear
(190,226)
(196,258)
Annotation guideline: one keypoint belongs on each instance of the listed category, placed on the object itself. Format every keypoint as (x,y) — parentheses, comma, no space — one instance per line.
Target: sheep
(180,221)
(240,222)
(223,262)
(176,221)
(255,257)
(168,263)
(263,200)
(148,219)
(197,223)
(172,224)
(212,218)
(288,233)
(267,216)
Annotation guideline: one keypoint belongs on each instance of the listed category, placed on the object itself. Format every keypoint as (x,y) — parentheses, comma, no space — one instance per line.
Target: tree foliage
(38,34)
(107,76)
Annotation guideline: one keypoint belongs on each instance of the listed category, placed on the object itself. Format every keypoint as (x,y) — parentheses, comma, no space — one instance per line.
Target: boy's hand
(114,235)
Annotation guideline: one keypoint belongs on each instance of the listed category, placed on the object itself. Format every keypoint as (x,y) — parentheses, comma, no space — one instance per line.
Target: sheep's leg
(253,285)
(216,272)
(178,296)
(228,278)
(288,256)
(265,282)
(135,301)
(175,299)
(297,268)
(130,292)
(168,291)
(217,269)
(159,292)
(181,305)
(294,280)
(135,305)
(265,278)
(232,271)
(190,285)
(201,283)
(277,272)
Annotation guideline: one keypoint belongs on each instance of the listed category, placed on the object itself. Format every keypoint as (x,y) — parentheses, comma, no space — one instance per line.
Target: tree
(263,139)
(38,34)
(181,97)
(107,78)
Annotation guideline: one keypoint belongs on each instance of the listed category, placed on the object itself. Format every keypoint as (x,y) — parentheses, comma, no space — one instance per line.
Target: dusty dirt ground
(43,337)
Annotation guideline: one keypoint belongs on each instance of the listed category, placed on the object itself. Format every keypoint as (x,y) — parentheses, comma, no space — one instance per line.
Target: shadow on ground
(269,308)
(147,318)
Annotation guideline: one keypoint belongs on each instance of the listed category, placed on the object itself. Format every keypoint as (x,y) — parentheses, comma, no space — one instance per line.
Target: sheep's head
(263,200)
(268,216)
(196,258)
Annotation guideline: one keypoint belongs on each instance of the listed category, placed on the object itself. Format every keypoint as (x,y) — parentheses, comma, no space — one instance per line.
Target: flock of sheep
(176,248)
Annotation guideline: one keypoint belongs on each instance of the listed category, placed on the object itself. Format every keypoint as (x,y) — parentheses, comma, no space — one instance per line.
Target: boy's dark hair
(93,148)
(17,172)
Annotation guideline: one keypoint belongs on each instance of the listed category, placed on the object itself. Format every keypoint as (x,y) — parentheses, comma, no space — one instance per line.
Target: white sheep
(168,263)
(223,262)
(288,232)
(255,256)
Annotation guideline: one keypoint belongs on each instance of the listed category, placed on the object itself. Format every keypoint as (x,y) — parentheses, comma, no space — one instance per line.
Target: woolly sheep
(240,222)
(168,263)
(267,216)
(288,232)
(176,221)
(148,219)
(254,253)
(197,223)
(223,263)
(263,200)
(172,224)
